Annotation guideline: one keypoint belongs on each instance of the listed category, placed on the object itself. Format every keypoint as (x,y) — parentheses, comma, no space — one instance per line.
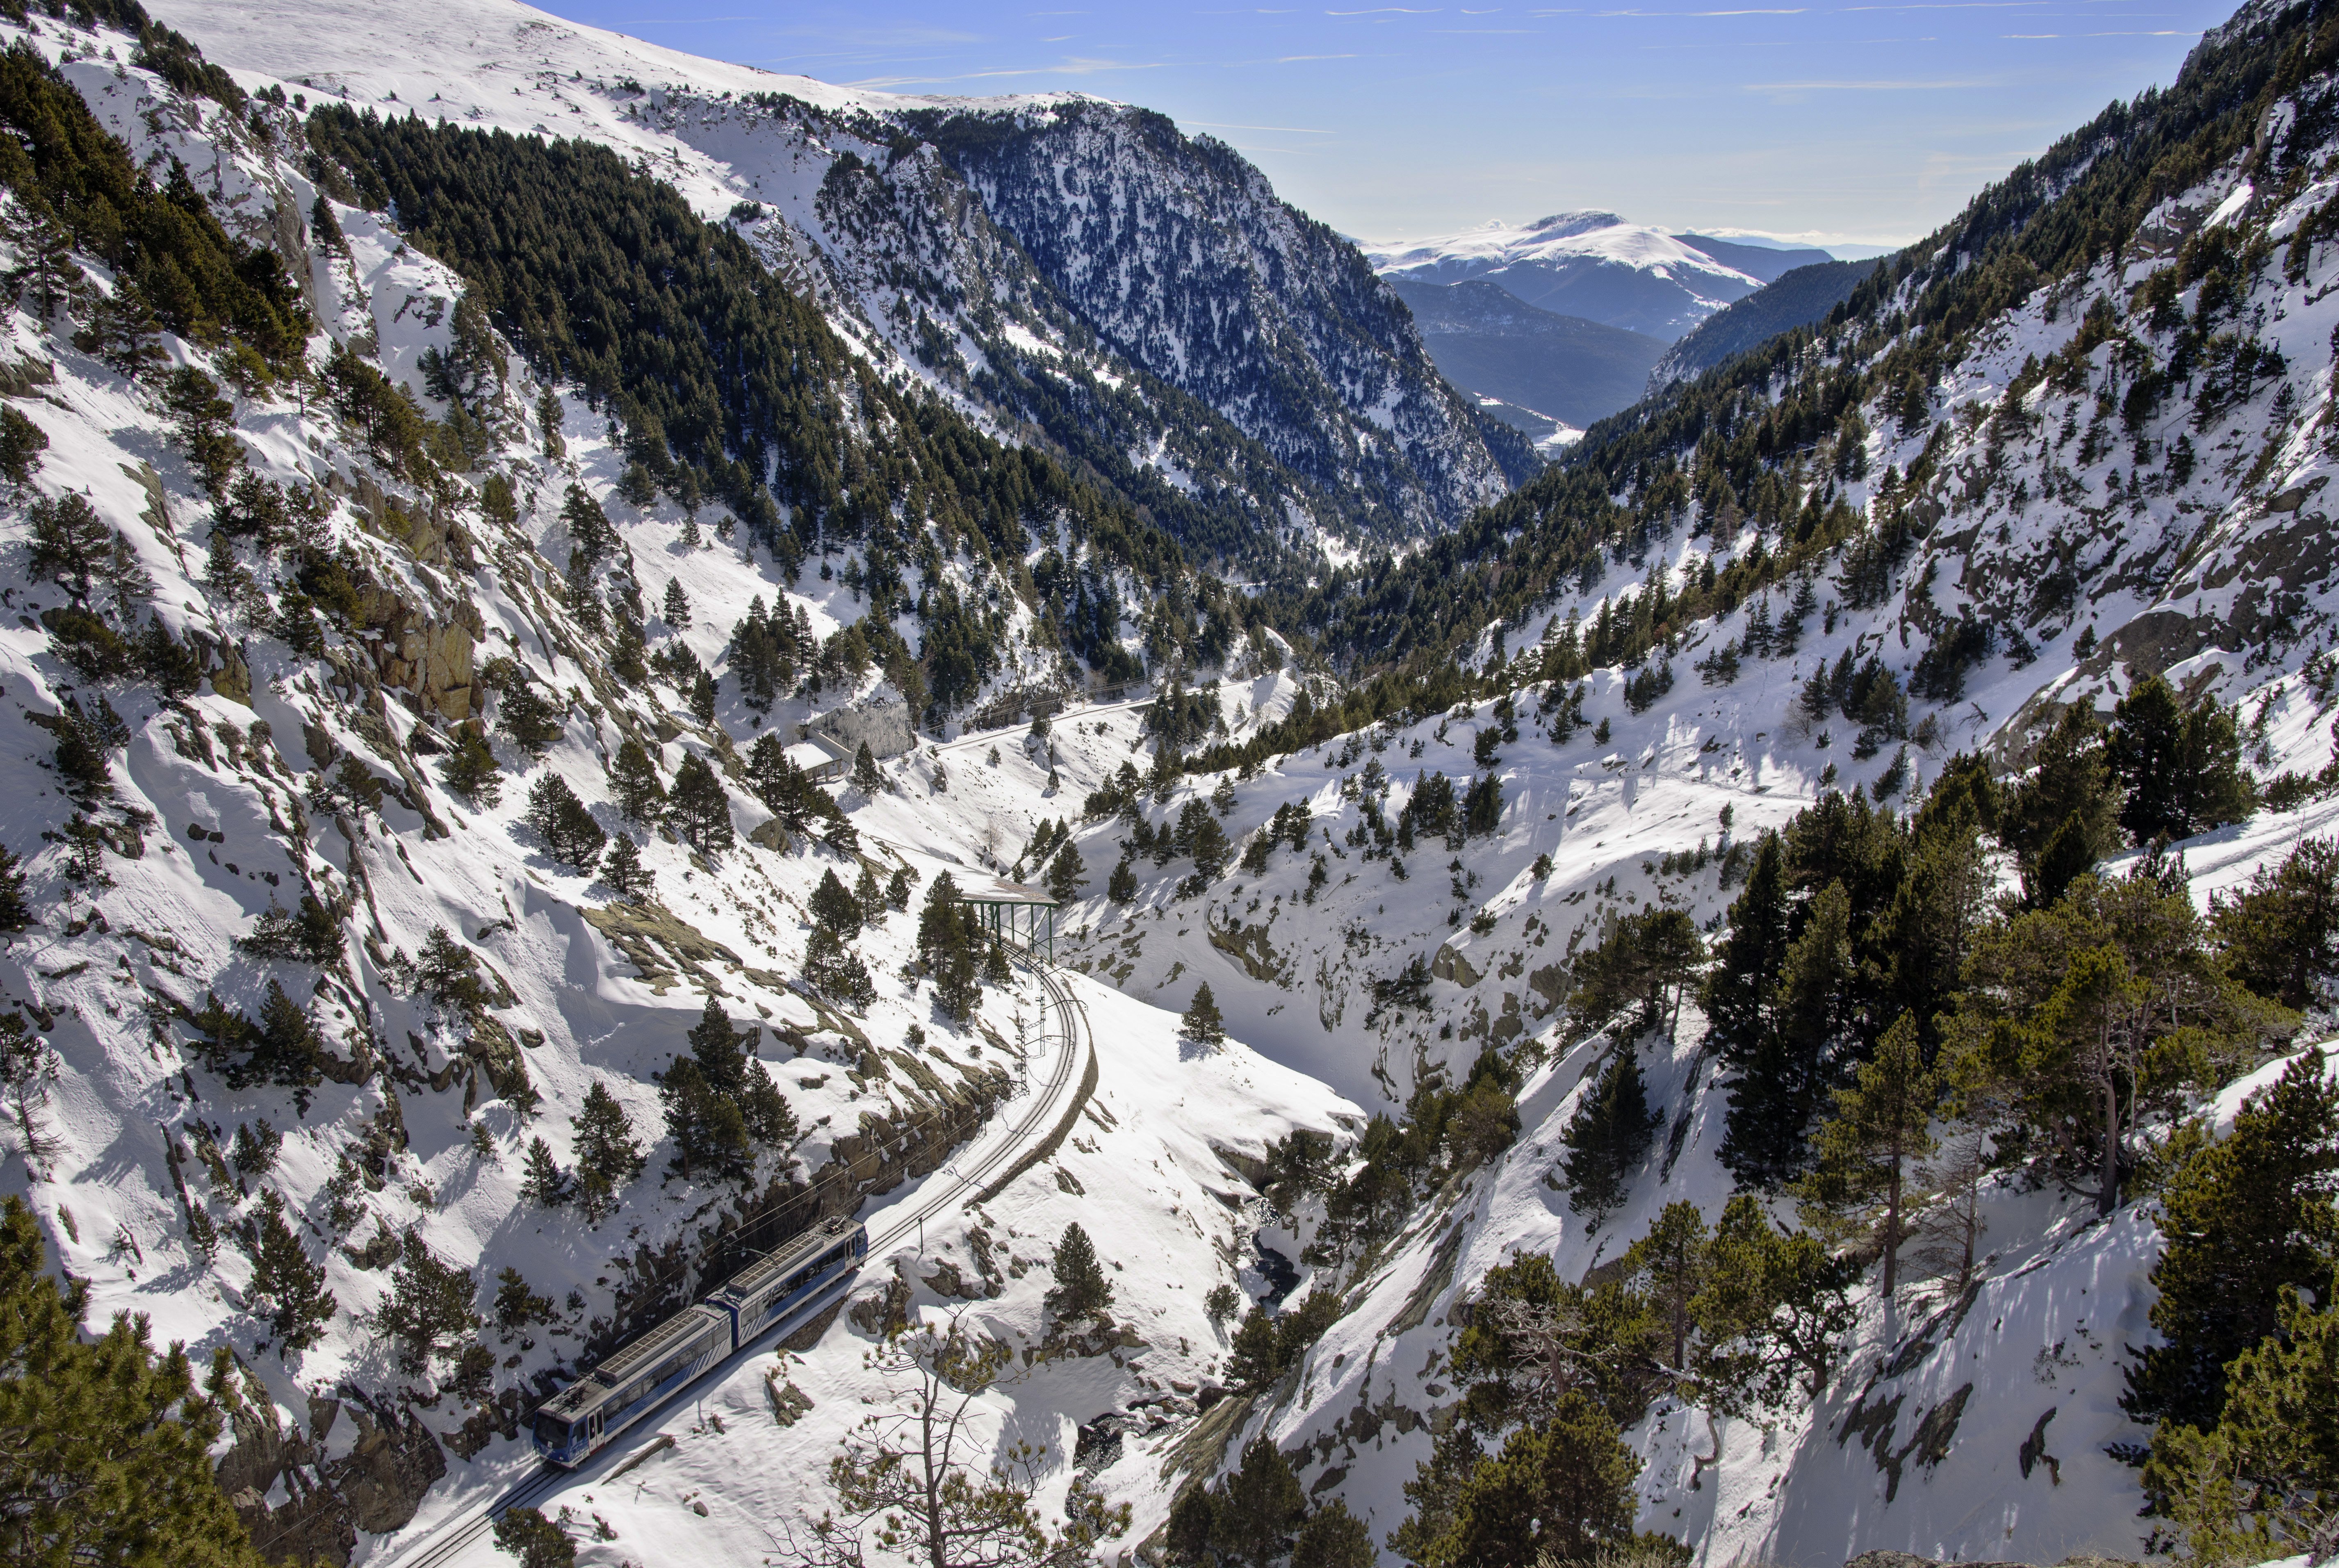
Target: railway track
(449,1541)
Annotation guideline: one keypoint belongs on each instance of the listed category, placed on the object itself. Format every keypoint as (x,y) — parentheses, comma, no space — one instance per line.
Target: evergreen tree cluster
(1737,1315)
(721,1106)
(729,387)
(175,267)
(956,953)
(1257,1516)
(1447,1128)
(110,1454)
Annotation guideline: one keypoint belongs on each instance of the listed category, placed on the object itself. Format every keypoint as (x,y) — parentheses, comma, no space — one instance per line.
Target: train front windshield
(551,1433)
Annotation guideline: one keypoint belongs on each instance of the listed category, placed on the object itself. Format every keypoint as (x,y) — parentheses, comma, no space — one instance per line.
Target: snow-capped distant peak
(1592,265)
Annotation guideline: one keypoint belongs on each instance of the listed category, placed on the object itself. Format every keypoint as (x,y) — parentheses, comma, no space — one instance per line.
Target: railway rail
(447,1541)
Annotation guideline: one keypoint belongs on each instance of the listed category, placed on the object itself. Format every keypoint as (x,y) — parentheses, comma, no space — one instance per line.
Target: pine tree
(1772,1315)
(2147,750)
(770,1120)
(1080,1290)
(1200,1021)
(699,810)
(676,611)
(254,1154)
(1334,1538)
(1557,1493)
(429,1310)
(471,769)
(2072,776)
(947,936)
(608,1158)
(1067,875)
(2182,766)
(1747,962)
(2280,934)
(286,1051)
(22,442)
(110,1453)
(778,783)
(546,1185)
(1121,885)
(837,973)
(565,823)
(710,1135)
(288,1286)
(869,896)
(71,544)
(623,870)
(634,784)
(865,776)
(714,1046)
(834,909)
(539,1543)
(2246,1219)
(28,1069)
(549,418)
(1608,1135)
(1258,1507)
(206,428)
(2261,1482)
(1210,848)
(898,886)
(1779,1087)
(47,278)
(1881,1127)
(529,720)
(1670,1264)
(701,698)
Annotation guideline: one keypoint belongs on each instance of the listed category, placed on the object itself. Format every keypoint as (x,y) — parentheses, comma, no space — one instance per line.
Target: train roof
(780,1262)
(654,1346)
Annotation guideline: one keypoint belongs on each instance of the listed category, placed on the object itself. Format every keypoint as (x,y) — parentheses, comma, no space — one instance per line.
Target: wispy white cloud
(1896,84)
(1075,66)
(1286,130)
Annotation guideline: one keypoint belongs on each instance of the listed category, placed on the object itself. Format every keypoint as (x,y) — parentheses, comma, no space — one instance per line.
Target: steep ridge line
(464,1532)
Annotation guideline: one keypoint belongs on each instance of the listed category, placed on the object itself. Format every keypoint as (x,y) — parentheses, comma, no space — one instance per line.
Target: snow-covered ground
(233,778)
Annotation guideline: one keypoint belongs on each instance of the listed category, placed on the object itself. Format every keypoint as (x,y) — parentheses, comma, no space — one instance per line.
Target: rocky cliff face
(1178,255)
(1082,272)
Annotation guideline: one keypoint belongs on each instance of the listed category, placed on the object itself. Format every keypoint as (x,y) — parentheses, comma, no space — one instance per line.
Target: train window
(551,1431)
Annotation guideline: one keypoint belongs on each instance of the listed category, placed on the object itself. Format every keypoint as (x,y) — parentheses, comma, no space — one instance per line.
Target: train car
(769,1288)
(584,1416)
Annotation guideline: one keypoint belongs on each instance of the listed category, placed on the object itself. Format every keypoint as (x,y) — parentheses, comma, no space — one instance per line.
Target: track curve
(1076,1043)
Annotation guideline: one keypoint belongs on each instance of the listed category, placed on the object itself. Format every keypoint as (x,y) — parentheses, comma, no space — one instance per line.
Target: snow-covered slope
(282,775)
(1259,392)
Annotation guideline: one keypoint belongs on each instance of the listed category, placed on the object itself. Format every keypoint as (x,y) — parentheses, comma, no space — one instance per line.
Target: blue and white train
(584,1416)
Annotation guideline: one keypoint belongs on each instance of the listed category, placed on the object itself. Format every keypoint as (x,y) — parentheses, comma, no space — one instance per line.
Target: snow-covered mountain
(1163,318)
(282,889)
(1594,265)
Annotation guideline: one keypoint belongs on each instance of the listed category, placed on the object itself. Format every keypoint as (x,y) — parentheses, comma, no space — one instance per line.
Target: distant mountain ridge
(1598,266)
(1565,369)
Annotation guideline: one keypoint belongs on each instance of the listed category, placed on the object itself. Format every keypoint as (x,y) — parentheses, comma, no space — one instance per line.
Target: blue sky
(1873,120)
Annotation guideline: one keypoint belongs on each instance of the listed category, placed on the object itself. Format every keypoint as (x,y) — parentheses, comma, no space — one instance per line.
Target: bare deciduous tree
(913,1483)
